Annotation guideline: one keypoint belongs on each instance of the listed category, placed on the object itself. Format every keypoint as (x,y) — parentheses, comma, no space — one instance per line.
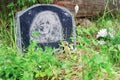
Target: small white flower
(76,8)
(105,34)
(39,66)
(102,33)
(101,42)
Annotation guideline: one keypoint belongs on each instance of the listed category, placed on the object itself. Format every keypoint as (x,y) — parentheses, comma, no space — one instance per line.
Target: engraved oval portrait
(46,27)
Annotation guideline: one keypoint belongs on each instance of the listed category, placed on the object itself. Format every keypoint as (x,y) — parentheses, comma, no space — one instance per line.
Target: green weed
(90,60)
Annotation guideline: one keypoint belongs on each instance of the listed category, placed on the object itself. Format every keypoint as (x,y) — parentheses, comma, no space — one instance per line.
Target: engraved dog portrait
(46,27)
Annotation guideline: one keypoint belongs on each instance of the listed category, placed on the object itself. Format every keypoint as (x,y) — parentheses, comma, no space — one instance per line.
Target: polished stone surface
(44,24)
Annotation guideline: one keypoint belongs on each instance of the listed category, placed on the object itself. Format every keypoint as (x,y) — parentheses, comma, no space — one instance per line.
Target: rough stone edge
(17,32)
(17,23)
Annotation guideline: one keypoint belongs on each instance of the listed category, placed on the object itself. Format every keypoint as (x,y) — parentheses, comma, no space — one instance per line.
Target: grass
(89,61)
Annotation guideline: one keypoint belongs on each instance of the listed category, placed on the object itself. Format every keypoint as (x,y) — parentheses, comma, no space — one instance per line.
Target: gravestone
(44,24)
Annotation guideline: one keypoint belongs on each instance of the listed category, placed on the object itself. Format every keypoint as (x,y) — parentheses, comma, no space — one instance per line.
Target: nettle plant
(109,41)
(35,64)
(97,67)
(96,59)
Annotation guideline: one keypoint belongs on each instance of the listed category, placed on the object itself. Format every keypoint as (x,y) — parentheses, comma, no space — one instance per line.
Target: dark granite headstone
(46,25)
